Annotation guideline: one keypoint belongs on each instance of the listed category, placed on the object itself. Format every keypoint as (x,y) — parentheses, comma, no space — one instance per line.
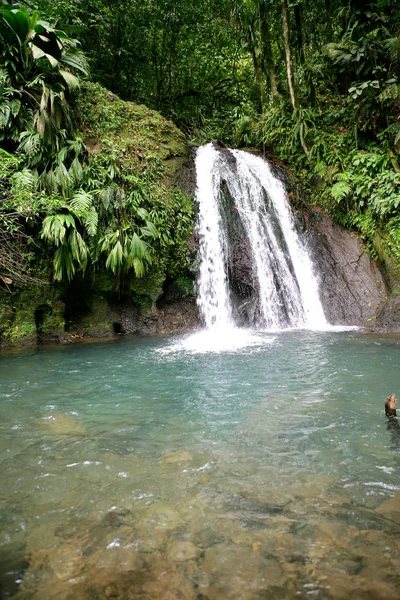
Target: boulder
(352,289)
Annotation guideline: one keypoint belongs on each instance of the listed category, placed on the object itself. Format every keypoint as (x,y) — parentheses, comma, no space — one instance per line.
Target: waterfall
(213,297)
(254,268)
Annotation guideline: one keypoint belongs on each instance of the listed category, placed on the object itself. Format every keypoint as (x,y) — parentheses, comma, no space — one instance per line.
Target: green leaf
(137,248)
(150,230)
(81,202)
(15,106)
(71,80)
(340,190)
(63,261)
(91,222)
(79,249)
(114,259)
(139,267)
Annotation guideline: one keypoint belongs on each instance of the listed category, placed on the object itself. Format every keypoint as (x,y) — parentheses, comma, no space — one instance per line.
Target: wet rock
(334,533)
(59,424)
(377,540)
(205,535)
(391,508)
(256,546)
(163,517)
(230,571)
(388,319)
(112,519)
(166,581)
(352,289)
(150,542)
(176,457)
(115,558)
(342,586)
(183,551)
(66,562)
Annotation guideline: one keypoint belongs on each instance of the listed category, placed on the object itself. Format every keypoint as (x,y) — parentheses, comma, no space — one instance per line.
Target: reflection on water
(147,470)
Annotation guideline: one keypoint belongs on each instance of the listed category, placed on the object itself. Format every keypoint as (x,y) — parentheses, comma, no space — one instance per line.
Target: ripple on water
(265,472)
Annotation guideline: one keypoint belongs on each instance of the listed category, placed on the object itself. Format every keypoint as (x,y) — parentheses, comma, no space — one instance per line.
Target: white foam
(219,339)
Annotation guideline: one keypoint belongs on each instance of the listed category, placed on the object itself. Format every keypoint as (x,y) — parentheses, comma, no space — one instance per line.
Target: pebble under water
(154,469)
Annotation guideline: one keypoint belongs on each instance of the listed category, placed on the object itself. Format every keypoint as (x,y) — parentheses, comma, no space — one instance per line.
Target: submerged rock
(183,551)
(391,508)
(176,457)
(227,568)
(58,424)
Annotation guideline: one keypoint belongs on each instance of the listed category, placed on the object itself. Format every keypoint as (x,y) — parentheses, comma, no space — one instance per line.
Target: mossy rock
(98,323)
(31,312)
(388,262)
(7,314)
(50,319)
(142,135)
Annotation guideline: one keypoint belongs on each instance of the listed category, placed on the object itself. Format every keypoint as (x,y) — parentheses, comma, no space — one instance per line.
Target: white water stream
(213,296)
(286,287)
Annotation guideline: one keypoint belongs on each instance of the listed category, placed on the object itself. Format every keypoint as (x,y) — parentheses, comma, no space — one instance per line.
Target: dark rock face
(106,319)
(388,320)
(352,289)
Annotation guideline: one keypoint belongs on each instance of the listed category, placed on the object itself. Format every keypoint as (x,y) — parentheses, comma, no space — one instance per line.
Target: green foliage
(185,283)
(37,71)
(393,238)
(105,208)
(370,181)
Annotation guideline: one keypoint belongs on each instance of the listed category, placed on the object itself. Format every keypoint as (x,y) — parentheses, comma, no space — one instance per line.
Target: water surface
(153,469)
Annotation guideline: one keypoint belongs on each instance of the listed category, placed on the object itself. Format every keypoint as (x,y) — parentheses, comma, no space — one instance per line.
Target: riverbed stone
(162,516)
(58,424)
(151,541)
(182,551)
(179,456)
(165,579)
(227,568)
(341,586)
(391,508)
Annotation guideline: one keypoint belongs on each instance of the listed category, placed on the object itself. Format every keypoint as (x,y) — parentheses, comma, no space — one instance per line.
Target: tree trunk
(267,48)
(289,69)
(298,10)
(288,53)
(257,67)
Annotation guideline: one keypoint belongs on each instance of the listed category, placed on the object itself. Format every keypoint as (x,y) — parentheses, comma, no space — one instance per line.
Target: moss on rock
(388,262)
(142,134)
(30,314)
(98,322)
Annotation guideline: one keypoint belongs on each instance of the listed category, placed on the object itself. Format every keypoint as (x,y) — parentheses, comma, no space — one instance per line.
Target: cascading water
(238,186)
(213,295)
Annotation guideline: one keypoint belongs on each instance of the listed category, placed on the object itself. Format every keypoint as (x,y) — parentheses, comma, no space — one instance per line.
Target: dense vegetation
(316,84)
(103,205)
(313,83)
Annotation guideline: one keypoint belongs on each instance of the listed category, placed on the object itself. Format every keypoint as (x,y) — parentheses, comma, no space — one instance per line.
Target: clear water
(154,469)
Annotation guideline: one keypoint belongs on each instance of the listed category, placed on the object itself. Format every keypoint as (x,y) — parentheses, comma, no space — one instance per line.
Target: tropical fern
(341,188)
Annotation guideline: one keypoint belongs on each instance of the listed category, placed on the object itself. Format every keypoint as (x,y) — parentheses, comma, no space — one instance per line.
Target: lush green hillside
(87,188)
